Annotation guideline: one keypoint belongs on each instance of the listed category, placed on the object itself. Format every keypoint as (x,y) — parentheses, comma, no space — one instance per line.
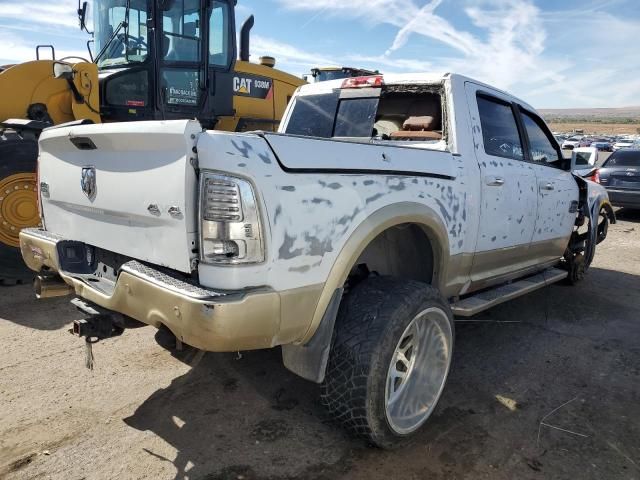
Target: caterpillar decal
(253,86)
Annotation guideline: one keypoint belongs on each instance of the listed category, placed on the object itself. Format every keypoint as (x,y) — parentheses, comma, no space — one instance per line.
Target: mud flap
(310,361)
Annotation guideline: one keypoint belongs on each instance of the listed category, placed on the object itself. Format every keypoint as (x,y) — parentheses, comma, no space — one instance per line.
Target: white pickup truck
(383,207)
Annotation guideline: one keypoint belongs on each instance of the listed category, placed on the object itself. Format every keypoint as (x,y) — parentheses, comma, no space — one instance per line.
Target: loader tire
(389,359)
(18,201)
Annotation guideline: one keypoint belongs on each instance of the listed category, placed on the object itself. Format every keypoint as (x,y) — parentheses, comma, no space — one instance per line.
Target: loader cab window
(182,53)
(130,45)
(182,32)
(219,51)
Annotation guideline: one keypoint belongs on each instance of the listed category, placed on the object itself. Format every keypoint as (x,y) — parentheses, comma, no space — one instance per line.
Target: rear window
(313,115)
(389,114)
(624,158)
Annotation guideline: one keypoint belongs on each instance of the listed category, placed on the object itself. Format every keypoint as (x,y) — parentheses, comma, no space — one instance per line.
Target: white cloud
(16,49)
(62,13)
(513,45)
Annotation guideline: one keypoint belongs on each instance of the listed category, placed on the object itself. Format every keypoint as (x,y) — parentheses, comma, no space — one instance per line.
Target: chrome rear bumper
(206,319)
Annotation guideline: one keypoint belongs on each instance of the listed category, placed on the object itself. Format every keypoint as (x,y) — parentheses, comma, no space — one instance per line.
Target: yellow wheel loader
(156,59)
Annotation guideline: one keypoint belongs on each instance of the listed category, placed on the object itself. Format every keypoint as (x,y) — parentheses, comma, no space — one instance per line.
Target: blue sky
(564,53)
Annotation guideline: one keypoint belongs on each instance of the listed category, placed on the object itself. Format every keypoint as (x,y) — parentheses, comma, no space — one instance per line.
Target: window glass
(130,43)
(356,117)
(181,29)
(130,89)
(542,149)
(313,115)
(499,129)
(624,158)
(218,35)
(582,158)
(181,87)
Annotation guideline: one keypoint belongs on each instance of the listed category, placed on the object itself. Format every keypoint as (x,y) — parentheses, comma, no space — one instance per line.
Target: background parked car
(571,143)
(620,175)
(623,143)
(602,144)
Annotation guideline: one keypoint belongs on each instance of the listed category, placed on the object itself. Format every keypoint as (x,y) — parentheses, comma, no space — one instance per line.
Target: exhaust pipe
(49,287)
(244,38)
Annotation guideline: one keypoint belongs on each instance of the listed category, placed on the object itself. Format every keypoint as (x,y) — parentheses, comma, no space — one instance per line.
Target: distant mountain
(592,114)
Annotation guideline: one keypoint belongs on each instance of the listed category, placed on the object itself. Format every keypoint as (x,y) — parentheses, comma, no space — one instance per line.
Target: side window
(181,29)
(542,149)
(499,129)
(218,37)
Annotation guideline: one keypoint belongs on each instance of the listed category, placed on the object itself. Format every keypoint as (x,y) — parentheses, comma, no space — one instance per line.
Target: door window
(181,31)
(219,54)
(541,148)
(499,129)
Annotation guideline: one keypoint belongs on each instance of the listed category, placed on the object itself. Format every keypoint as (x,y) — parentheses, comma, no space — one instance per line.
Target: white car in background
(585,158)
(623,143)
(571,143)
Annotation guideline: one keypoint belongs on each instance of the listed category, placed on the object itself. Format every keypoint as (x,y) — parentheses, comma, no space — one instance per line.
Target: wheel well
(402,251)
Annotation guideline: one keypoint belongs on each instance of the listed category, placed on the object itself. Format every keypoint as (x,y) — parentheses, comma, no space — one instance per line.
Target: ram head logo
(88,182)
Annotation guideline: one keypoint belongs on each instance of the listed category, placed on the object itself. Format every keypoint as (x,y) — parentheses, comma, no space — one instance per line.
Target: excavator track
(18,200)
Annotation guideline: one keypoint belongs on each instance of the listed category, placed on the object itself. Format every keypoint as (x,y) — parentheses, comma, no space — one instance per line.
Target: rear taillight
(230,231)
(363,82)
(594,176)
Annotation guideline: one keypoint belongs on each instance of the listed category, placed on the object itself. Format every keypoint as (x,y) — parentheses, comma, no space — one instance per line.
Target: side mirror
(82,14)
(62,70)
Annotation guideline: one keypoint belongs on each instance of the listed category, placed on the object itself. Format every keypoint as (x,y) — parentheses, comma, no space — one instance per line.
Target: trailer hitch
(93,329)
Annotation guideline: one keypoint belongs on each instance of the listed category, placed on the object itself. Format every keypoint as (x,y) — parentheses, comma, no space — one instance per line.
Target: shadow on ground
(575,348)
(628,214)
(20,306)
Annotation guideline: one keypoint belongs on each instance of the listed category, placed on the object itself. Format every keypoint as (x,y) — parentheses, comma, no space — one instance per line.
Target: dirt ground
(568,356)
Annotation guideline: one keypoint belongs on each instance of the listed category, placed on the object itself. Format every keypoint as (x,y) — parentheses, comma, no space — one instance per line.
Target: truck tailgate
(141,201)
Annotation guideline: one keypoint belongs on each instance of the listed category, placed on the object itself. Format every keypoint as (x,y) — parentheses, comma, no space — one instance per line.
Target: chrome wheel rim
(418,370)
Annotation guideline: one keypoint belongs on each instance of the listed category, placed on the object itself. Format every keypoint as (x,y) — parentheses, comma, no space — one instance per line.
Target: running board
(495,296)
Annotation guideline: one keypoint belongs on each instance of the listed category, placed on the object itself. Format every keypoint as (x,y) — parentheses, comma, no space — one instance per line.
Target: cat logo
(242,85)
(253,86)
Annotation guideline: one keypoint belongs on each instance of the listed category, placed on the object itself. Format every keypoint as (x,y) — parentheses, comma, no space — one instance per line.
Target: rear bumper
(624,198)
(217,321)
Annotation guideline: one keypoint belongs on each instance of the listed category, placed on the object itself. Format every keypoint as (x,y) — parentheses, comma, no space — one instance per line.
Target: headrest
(419,123)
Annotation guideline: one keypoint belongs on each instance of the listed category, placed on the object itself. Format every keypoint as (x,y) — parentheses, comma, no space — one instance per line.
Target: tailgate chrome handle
(495,181)
(547,186)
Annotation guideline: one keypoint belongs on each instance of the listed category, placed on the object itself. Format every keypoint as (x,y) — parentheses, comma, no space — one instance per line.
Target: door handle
(547,186)
(495,181)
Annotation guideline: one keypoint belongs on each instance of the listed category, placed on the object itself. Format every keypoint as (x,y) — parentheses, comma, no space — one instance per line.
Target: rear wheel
(389,360)
(18,201)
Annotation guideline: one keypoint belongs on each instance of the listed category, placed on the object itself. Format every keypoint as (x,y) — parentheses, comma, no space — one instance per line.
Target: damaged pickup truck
(384,207)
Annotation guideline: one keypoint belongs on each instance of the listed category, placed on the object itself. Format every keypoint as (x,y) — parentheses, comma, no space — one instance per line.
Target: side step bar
(479,302)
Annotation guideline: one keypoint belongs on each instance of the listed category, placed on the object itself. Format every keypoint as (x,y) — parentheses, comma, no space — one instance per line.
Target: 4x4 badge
(88,182)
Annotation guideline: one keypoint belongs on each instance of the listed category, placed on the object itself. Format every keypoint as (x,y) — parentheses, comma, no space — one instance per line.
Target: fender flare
(309,358)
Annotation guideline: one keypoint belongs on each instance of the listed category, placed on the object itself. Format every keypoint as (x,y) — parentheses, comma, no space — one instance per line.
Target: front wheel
(389,360)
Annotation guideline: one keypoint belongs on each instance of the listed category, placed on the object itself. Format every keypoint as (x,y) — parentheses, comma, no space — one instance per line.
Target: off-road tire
(371,319)
(18,154)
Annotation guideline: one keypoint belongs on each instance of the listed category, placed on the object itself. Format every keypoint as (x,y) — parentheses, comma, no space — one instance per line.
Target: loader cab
(165,59)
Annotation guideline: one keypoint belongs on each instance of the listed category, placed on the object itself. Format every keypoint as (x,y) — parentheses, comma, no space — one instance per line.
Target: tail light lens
(594,176)
(230,231)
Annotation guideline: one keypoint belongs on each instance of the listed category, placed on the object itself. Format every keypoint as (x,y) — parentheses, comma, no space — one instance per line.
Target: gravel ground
(565,361)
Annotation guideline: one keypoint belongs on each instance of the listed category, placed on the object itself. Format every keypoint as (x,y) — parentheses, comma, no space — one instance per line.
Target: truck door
(508,191)
(557,191)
